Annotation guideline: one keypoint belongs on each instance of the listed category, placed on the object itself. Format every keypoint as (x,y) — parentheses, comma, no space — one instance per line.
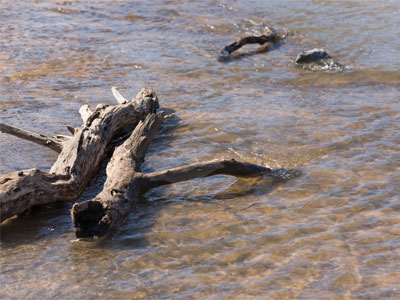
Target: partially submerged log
(122,188)
(79,159)
(269,36)
(136,122)
(125,183)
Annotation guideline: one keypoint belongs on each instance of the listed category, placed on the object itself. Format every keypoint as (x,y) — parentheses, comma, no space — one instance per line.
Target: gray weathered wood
(123,188)
(79,160)
(125,183)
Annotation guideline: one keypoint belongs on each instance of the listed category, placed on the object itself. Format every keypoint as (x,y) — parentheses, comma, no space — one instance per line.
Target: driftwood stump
(136,122)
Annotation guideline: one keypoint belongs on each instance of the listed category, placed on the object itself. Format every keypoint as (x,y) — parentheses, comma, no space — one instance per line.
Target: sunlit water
(332,233)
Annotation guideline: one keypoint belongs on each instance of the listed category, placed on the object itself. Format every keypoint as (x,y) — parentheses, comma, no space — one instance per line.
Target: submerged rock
(317,60)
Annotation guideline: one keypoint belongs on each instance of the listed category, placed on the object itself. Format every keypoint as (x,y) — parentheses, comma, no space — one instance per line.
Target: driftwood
(125,183)
(269,35)
(80,157)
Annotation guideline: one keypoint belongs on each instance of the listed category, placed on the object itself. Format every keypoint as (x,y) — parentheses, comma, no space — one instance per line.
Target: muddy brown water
(332,233)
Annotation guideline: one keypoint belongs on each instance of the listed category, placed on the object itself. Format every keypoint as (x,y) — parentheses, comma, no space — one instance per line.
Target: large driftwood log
(79,159)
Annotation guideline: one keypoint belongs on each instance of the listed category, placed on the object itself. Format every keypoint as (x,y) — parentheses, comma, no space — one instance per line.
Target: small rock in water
(317,60)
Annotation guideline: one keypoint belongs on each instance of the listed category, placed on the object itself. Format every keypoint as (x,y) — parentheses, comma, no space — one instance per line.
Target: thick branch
(31,136)
(122,189)
(83,153)
(23,189)
(204,169)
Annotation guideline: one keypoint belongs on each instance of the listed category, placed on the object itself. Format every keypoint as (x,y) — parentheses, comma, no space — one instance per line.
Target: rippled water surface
(332,233)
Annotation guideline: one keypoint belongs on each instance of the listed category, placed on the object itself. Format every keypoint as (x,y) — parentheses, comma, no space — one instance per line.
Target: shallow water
(332,233)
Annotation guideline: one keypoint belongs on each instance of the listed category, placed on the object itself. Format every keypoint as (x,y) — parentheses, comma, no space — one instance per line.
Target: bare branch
(204,169)
(21,190)
(33,137)
(120,99)
(85,112)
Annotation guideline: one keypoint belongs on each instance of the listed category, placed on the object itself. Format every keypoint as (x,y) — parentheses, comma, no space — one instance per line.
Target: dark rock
(317,60)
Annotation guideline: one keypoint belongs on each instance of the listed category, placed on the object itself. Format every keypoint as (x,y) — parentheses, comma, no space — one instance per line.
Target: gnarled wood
(22,190)
(125,183)
(78,161)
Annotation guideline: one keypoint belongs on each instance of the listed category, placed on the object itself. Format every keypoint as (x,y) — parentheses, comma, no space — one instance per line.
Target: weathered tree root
(268,36)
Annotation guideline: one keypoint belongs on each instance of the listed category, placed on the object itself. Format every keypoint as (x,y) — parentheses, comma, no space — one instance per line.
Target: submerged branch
(268,36)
